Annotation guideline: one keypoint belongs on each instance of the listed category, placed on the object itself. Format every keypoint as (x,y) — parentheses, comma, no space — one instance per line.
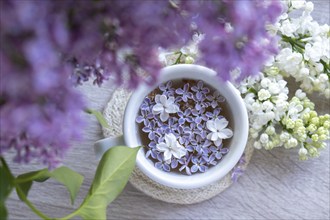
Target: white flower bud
(304,72)
(323,77)
(264,138)
(292,142)
(302,151)
(189,60)
(270,130)
(270,115)
(265,82)
(256,107)
(309,7)
(263,94)
(256,126)
(319,67)
(274,88)
(257,145)
(267,105)
(285,136)
(300,94)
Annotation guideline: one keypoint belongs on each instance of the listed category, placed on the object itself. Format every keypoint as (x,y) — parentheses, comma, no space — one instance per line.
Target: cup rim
(238,141)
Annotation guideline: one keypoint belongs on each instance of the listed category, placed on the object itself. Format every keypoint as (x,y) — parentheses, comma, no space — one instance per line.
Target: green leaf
(6,181)
(24,181)
(70,179)
(99,117)
(3,211)
(110,179)
(6,186)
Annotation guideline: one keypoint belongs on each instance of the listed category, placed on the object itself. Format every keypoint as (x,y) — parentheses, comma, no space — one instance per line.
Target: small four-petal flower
(164,106)
(171,147)
(218,130)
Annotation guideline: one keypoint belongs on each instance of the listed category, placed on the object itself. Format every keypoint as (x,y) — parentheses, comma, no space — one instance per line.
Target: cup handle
(101,146)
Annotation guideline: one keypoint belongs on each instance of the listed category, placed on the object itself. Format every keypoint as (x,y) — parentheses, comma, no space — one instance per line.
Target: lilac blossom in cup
(185,132)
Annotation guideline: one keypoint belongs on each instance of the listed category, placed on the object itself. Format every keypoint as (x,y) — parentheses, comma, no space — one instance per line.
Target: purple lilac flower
(202,149)
(198,165)
(184,138)
(213,115)
(162,164)
(147,104)
(218,154)
(211,160)
(185,164)
(199,117)
(152,151)
(200,90)
(174,163)
(185,116)
(240,47)
(200,102)
(184,92)
(167,89)
(215,99)
(144,117)
(47,41)
(169,127)
(191,130)
(151,129)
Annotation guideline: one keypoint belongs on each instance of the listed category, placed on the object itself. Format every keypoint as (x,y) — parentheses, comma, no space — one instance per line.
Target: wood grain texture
(275,186)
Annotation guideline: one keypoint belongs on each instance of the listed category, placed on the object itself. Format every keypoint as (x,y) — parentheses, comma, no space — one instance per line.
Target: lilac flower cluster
(44,43)
(237,39)
(118,38)
(185,129)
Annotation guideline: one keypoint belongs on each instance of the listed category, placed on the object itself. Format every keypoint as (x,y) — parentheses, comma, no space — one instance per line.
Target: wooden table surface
(276,184)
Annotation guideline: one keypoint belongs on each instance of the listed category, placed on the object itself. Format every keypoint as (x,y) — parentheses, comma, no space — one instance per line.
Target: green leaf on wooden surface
(6,186)
(99,117)
(70,179)
(111,176)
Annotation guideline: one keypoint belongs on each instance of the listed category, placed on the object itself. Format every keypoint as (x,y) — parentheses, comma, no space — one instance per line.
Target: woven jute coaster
(113,113)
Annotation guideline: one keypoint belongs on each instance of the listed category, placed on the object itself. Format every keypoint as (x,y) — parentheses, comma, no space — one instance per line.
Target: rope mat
(113,113)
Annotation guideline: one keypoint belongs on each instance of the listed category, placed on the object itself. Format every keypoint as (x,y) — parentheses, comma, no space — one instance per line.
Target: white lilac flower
(289,61)
(274,119)
(264,138)
(305,52)
(300,94)
(218,130)
(294,109)
(171,147)
(263,94)
(303,153)
(164,106)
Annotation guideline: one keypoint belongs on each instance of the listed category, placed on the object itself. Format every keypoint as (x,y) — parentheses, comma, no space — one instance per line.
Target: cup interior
(238,120)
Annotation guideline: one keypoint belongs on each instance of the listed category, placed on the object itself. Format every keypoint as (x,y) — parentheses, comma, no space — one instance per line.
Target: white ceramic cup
(131,136)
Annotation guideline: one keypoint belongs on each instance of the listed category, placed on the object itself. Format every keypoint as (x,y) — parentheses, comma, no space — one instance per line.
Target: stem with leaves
(112,174)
